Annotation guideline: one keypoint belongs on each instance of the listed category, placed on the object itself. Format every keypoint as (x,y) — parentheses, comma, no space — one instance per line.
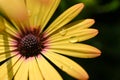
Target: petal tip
(85,77)
(92,21)
(96,31)
(97,53)
(81,4)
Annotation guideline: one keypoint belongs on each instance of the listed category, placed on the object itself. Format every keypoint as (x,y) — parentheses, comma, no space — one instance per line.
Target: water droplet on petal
(63,32)
(73,39)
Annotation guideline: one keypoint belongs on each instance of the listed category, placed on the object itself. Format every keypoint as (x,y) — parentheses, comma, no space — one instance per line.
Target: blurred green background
(107,16)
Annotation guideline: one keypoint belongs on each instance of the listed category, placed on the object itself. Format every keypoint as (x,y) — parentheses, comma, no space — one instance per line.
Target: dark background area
(107,16)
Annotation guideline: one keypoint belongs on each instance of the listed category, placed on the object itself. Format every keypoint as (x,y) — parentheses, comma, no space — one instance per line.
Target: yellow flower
(27,42)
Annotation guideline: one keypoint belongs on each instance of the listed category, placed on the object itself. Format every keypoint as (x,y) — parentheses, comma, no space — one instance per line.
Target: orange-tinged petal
(49,73)
(15,10)
(64,18)
(67,65)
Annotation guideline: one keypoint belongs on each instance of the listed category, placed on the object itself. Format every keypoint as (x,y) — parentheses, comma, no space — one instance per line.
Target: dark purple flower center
(30,45)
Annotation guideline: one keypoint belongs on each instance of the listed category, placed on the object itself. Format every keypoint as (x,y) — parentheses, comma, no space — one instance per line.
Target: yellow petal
(33,7)
(49,73)
(6,55)
(6,52)
(9,39)
(74,27)
(15,10)
(41,12)
(67,65)
(6,39)
(22,73)
(6,45)
(76,50)
(80,24)
(11,30)
(34,71)
(64,18)
(2,25)
(9,68)
(75,36)
(48,11)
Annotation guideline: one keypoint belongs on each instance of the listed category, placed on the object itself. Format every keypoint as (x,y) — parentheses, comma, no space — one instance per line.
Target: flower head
(27,43)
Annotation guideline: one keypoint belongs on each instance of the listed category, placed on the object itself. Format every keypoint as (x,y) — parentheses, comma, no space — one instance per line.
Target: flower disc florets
(30,44)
